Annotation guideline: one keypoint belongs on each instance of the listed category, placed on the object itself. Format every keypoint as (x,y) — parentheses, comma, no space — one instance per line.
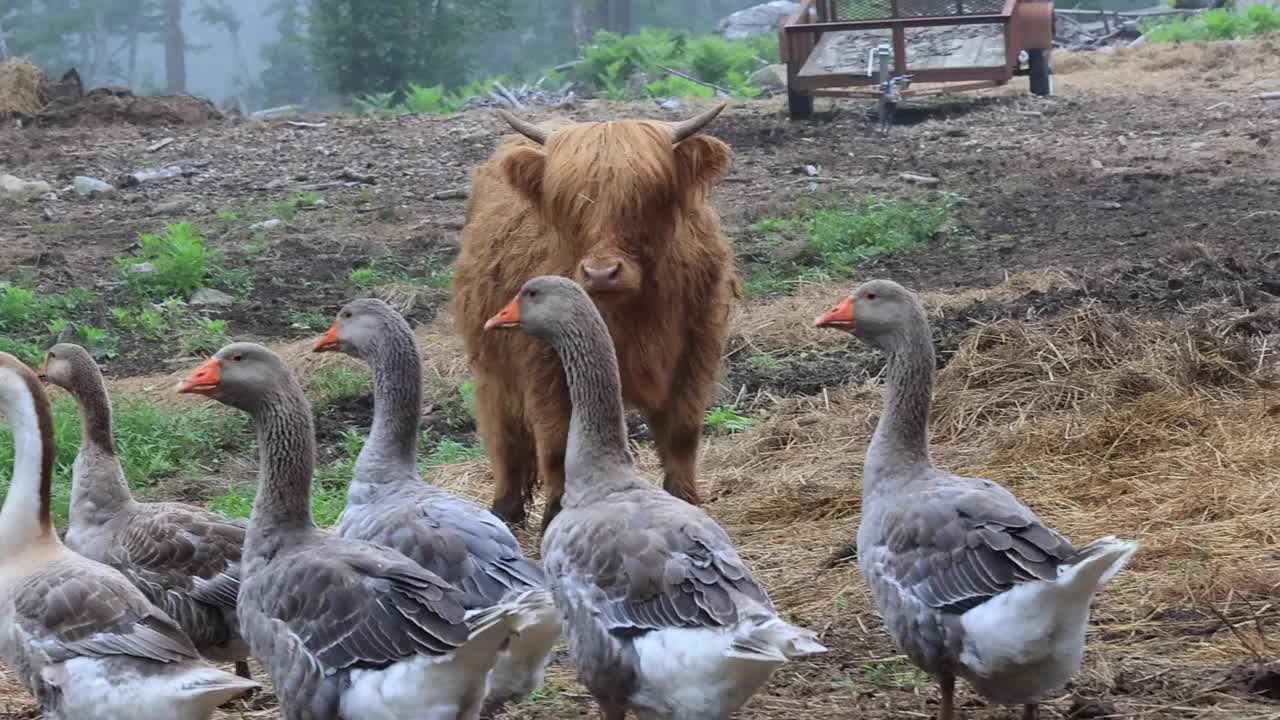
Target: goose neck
(597,442)
(901,440)
(397,404)
(286,462)
(25,516)
(105,490)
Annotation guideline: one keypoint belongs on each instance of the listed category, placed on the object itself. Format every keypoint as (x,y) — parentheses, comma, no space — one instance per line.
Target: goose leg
(1031,711)
(946,708)
(613,712)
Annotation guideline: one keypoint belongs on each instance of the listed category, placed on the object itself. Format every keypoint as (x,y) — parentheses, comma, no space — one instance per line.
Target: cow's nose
(601,278)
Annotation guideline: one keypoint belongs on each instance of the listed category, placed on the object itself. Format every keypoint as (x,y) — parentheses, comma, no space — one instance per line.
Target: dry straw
(19,86)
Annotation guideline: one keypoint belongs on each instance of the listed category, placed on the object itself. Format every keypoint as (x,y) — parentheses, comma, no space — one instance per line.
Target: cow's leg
(549,413)
(677,433)
(510,449)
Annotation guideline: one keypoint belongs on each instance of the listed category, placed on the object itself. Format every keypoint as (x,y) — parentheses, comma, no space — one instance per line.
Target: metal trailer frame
(1027,26)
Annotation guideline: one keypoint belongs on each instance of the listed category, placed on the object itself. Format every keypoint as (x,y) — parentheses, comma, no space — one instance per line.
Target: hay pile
(19,86)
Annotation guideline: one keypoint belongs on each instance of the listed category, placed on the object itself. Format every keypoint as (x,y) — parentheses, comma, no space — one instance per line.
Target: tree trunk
(100,67)
(619,16)
(175,47)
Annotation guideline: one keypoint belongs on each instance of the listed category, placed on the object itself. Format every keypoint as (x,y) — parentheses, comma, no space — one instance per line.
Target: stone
(142,268)
(18,188)
(172,206)
(266,225)
(209,297)
(756,20)
(925,180)
(90,186)
(769,77)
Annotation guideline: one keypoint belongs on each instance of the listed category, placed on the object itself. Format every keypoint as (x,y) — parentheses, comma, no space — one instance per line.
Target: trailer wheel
(1041,75)
(801,106)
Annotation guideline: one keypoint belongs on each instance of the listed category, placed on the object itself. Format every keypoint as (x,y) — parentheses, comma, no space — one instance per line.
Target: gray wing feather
(363,606)
(962,545)
(98,614)
(659,563)
(454,538)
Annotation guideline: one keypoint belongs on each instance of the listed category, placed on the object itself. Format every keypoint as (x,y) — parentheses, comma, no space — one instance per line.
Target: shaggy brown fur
(621,210)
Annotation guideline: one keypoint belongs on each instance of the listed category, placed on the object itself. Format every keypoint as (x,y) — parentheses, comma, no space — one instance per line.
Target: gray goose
(662,616)
(456,538)
(969,581)
(185,559)
(345,628)
(79,636)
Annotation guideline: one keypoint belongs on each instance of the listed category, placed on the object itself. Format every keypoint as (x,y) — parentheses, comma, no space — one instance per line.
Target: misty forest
(326,53)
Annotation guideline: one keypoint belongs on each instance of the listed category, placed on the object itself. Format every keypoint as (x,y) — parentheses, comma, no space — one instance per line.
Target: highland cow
(621,207)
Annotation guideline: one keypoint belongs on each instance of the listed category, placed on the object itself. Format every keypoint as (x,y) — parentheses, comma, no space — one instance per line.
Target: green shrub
(179,259)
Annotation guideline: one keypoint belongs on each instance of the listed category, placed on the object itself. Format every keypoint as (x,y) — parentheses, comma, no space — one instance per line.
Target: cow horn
(525,128)
(685,128)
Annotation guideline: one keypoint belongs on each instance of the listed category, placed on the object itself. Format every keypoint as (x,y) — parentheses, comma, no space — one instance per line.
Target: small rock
(1110,206)
(769,77)
(811,171)
(1196,145)
(760,19)
(210,297)
(1096,164)
(671,104)
(957,132)
(926,180)
(19,188)
(266,225)
(172,206)
(90,186)
(142,268)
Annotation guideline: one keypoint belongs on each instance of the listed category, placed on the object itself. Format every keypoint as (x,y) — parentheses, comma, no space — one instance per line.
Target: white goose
(80,637)
(969,581)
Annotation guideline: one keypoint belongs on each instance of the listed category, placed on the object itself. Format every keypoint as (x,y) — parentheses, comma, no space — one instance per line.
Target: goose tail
(775,640)
(1096,563)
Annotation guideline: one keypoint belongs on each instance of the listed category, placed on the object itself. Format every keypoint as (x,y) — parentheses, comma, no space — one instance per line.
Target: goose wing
(956,546)
(653,563)
(353,604)
(182,554)
(77,610)
(454,538)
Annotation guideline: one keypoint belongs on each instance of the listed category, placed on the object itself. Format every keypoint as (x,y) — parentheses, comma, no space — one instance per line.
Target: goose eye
(347,314)
(53,355)
(235,358)
(871,296)
(531,293)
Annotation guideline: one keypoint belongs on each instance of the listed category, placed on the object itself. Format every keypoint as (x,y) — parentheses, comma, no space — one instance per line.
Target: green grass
(180,258)
(335,383)
(724,421)
(449,452)
(153,442)
(310,320)
(288,208)
(829,237)
(31,320)
(367,278)
(1211,25)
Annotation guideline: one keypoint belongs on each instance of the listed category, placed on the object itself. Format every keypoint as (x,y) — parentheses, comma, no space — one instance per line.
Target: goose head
(546,306)
(243,375)
(876,312)
(360,327)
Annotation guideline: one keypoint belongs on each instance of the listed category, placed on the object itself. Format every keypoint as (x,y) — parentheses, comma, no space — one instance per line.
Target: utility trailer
(879,48)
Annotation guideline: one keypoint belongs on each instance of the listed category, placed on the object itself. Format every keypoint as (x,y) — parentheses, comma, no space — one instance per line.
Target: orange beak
(840,316)
(43,370)
(329,341)
(507,317)
(204,379)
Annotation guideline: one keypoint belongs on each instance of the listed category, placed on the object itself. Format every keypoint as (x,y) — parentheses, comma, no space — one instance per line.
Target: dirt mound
(19,86)
(111,105)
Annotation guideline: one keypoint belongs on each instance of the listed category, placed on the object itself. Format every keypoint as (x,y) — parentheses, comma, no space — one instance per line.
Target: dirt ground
(1104,301)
